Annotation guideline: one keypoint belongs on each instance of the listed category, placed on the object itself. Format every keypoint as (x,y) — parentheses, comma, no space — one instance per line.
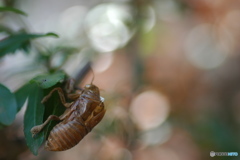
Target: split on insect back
(84,109)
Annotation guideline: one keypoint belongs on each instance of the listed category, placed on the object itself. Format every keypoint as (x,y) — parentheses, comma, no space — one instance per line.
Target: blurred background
(169,71)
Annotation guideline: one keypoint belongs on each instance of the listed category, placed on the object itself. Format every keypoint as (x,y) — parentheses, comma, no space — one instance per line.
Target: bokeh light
(103,63)
(106,28)
(167,10)
(150,19)
(203,49)
(149,109)
(157,136)
(71,23)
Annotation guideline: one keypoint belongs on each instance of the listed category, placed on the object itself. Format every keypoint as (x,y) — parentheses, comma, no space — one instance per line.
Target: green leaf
(49,80)
(8,106)
(34,116)
(10,9)
(5,29)
(19,41)
(1,126)
(50,34)
(21,95)
(52,107)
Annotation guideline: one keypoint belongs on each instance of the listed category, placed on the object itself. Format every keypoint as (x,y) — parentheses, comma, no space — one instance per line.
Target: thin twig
(82,73)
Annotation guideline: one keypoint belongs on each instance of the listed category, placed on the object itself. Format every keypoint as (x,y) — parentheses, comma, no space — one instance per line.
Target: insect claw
(33,135)
(35,130)
(43,101)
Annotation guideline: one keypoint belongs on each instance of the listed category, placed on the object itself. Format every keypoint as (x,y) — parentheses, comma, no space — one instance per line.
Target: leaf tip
(52,34)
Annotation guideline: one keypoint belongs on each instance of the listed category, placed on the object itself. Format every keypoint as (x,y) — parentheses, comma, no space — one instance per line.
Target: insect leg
(93,121)
(38,128)
(61,95)
(69,87)
(73,96)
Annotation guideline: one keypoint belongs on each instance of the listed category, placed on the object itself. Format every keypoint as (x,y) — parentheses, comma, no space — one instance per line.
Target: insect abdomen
(65,135)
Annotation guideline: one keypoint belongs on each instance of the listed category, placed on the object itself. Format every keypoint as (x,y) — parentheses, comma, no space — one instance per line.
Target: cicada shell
(80,117)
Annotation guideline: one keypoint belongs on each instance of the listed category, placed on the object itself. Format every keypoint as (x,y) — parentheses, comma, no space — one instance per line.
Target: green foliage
(22,94)
(35,113)
(6,30)
(33,91)
(48,80)
(10,103)
(8,106)
(1,126)
(19,41)
(52,107)
(14,10)
(34,116)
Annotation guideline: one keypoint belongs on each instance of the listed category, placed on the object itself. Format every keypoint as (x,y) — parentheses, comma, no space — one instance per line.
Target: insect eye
(88,86)
(102,99)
